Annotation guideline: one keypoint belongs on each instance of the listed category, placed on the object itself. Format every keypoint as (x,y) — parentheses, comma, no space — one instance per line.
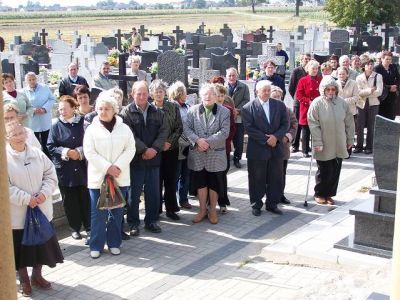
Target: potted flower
(153,70)
(180,51)
(113,56)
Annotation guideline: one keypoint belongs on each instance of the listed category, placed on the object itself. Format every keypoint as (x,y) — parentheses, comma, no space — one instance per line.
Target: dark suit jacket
(297,74)
(276,80)
(67,86)
(257,126)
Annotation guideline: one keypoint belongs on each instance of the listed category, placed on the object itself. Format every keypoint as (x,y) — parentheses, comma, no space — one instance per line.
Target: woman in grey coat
(207,128)
(332,129)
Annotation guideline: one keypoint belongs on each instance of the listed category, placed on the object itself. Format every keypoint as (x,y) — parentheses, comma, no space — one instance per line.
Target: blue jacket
(41,97)
(257,126)
(64,136)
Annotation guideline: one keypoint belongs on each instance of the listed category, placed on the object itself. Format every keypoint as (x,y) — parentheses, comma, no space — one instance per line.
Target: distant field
(102,23)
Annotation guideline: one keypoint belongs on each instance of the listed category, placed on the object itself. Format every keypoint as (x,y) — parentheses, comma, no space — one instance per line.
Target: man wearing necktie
(266,122)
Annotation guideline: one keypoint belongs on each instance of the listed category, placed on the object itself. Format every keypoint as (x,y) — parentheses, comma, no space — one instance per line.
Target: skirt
(48,254)
(212,180)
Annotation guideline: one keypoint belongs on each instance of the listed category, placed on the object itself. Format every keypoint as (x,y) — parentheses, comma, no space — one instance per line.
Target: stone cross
(243,52)
(18,61)
(118,35)
(209,32)
(262,29)
(36,38)
(178,32)
(58,34)
(270,32)
(357,27)
(165,45)
(386,30)
(226,31)
(371,27)
(196,46)
(300,32)
(203,73)
(292,53)
(229,45)
(142,31)
(43,34)
(122,77)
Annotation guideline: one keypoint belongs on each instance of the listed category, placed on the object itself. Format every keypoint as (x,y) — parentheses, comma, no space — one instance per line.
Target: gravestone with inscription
(223,62)
(204,73)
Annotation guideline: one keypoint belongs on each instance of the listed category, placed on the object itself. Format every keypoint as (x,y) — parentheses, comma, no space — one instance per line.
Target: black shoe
(237,164)
(153,227)
(87,239)
(367,151)
(172,216)
(256,212)
(284,200)
(275,210)
(134,231)
(124,236)
(294,149)
(306,155)
(357,150)
(76,235)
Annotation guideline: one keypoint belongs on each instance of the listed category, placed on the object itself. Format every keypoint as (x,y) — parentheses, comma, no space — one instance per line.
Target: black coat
(150,134)
(67,135)
(67,86)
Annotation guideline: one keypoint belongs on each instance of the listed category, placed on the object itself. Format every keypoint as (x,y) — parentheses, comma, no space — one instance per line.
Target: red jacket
(232,129)
(307,90)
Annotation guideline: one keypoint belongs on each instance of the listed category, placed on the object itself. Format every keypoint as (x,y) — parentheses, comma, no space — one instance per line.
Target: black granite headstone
(7,67)
(213,50)
(223,62)
(172,66)
(110,42)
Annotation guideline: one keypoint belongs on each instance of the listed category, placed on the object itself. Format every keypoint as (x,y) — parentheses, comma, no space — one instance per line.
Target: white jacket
(103,149)
(350,94)
(29,172)
(365,89)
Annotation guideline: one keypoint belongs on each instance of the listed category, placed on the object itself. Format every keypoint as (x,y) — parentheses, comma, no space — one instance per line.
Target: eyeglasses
(330,89)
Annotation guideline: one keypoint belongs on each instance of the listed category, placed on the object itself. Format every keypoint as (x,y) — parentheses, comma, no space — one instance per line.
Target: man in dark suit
(239,92)
(296,75)
(68,84)
(266,123)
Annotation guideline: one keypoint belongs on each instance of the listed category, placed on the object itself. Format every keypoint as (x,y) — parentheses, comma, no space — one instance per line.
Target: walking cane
(309,174)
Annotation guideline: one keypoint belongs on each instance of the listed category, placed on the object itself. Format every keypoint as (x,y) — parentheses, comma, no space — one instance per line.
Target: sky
(15,3)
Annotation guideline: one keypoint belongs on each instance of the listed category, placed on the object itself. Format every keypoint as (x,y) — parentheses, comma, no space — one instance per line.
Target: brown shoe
(25,289)
(40,283)
(186,205)
(330,201)
(199,217)
(213,217)
(320,200)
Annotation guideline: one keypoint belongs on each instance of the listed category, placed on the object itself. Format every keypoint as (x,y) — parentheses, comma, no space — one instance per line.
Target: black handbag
(385,91)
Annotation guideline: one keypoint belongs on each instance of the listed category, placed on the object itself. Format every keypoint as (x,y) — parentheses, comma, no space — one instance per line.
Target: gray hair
(30,74)
(312,63)
(176,90)
(342,58)
(232,69)
(342,69)
(263,83)
(207,87)
(157,84)
(106,97)
(276,89)
(134,58)
(72,64)
(11,107)
(117,94)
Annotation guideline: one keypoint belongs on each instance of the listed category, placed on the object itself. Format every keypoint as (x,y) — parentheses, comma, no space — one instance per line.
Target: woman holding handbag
(32,181)
(109,147)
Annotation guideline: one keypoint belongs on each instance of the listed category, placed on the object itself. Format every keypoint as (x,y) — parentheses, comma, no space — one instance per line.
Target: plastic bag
(110,195)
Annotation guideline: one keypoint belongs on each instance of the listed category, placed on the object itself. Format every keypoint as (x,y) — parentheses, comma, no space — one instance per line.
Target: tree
(200,4)
(344,12)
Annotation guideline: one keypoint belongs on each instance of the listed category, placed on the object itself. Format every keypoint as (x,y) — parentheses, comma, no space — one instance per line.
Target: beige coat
(350,94)
(29,172)
(365,89)
(332,127)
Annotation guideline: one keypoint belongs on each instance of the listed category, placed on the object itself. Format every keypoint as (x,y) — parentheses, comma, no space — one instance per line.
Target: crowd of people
(160,146)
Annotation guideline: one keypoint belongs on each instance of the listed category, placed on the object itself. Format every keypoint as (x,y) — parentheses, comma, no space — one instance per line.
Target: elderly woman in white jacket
(370,86)
(348,90)
(32,180)
(109,147)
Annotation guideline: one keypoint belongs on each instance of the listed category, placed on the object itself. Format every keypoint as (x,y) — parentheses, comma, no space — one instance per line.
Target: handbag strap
(375,80)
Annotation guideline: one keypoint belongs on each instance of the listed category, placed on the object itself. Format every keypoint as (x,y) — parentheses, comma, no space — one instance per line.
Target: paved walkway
(223,261)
